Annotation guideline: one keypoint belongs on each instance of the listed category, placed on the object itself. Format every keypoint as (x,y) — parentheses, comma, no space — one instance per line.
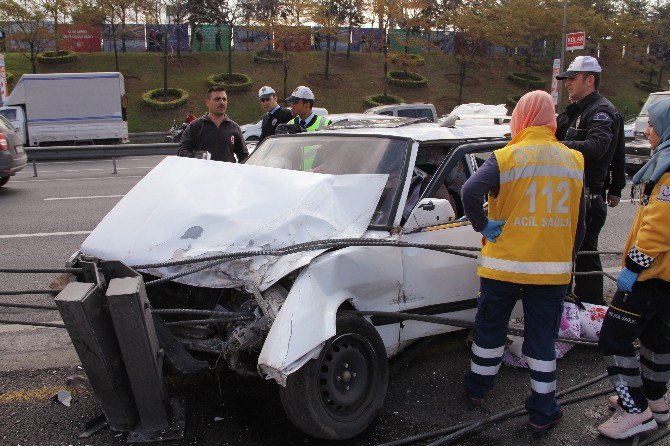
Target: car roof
(424,132)
(399,106)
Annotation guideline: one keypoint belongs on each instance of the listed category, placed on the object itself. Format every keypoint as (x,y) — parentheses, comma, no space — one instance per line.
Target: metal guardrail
(107,151)
(147,137)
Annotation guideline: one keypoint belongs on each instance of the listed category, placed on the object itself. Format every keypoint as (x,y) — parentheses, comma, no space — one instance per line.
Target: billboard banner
(555,71)
(367,40)
(3,80)
(79,37)
(134,38)
(214,38)
(575,41)
(293,38)
(250,38)
(338,40)
(14,42)
(175,33)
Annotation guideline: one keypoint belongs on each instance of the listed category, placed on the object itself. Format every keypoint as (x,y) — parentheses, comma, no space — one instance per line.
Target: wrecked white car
(211,238)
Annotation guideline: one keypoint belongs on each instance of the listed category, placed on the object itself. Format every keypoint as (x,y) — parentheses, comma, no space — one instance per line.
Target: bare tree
(30,33)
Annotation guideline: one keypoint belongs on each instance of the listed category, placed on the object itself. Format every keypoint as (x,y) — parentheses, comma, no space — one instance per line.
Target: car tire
(4,180)
(339,394)
(632,170)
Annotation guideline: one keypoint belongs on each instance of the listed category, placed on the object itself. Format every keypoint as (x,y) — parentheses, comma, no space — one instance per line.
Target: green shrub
(647,86)
(10,77)
(57,57)
(378,99)
(231,82)
(520,79)
(407,79)
(150,96)
(408,60)
(512,100)
(266,56)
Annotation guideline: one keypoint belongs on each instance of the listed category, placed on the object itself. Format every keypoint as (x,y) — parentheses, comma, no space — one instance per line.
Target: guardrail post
(114,164)
(34,169)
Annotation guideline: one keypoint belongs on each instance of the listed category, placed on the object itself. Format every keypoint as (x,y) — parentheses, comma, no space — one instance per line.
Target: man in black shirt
(214,132)
(593,126)
(275,114)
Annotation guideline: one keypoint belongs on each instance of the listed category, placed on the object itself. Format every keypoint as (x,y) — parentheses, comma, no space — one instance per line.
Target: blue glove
(493,229)
(625,280)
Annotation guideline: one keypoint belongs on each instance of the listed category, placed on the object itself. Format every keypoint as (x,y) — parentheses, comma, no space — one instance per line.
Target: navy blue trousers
(542,308)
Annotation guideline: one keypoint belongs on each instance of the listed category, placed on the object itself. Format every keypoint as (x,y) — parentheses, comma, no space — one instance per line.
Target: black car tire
(4,180)
(339,394)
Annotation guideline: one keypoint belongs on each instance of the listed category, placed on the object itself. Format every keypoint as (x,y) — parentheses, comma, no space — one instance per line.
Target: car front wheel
(339,394)
(4,180)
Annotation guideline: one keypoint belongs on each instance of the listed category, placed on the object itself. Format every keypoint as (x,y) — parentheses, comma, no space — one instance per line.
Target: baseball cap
(301,92)
(579,65)
(265,92)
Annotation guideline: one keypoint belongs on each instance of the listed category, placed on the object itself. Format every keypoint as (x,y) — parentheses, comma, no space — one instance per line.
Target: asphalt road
(45,219)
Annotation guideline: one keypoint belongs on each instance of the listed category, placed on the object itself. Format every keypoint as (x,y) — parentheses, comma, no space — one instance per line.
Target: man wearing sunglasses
(275,114)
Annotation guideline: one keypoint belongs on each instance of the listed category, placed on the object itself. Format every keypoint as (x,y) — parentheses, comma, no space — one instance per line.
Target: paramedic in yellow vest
(535,196)
(301,102)
(640,308)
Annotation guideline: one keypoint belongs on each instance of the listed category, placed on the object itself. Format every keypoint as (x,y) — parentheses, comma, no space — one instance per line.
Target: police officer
(214,133)
(535,216)
(640,308)
(275,114)
(302,102)
(592,125)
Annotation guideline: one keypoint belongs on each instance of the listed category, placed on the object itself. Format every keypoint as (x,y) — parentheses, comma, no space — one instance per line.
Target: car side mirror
(429,212)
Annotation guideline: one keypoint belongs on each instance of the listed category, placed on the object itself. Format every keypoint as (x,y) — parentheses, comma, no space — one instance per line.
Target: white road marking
(83,198)
(77,179)
(27,172)
(44,234)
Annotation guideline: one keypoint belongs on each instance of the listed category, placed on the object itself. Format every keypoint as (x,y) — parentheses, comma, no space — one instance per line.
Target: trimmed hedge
(57,57)
(149,98)
(231,82)
(266,56)
(412,60)
(646,86)
(512,100)
(520,79)
(407,79)
(378,99)
(10,77)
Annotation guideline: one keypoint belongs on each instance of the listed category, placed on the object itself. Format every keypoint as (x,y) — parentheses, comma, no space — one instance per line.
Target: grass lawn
(345,90)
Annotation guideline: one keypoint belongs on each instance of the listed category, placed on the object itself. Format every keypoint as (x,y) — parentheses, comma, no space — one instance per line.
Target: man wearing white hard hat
(275,114)
(302,102)
(593,126)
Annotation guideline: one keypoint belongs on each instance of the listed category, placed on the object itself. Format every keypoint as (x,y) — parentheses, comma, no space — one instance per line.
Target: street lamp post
(560,84)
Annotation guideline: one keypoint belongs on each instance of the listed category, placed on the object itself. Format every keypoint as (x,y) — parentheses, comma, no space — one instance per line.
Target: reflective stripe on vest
(319,123)
(541,183)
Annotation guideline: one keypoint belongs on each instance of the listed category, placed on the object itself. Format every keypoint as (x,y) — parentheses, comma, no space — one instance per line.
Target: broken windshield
(341,155)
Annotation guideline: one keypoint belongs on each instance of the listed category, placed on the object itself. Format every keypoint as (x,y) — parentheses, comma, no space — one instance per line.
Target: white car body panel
(224,218)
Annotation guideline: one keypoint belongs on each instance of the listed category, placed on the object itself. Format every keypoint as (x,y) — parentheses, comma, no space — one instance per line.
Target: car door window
(425,113)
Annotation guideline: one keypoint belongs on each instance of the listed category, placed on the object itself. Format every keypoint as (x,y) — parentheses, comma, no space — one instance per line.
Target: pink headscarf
(533,109)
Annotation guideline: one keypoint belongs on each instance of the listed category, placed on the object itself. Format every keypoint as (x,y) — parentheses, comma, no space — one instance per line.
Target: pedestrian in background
(217,38)
(215,132)
(640,308)
(535,217)
(594,127)
(274,115)
(199,37)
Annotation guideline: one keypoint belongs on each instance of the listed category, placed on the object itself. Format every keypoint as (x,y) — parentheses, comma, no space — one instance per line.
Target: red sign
(575,41)
(80,38)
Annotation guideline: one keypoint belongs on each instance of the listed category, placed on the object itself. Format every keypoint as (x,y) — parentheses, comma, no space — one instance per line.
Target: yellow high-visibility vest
(541,183)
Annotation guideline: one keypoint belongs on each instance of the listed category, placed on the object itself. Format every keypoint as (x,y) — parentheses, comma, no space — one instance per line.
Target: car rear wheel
(4,180)
(339,394)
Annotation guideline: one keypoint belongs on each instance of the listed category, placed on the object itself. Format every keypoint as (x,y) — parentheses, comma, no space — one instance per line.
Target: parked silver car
(12,156)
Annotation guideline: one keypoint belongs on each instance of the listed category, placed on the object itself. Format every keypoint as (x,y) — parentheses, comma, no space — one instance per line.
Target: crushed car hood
(187,208)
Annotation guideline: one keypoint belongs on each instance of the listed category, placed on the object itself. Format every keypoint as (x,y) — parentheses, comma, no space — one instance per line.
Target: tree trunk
(407,41)
(165,63)
(660,76)
(56,39)
(123,31)
(285,73)
(528,65)
(461,82)
(385,50)
(349,41)
(269,33)
(33,57)
(178,32)
(230,49)
(116,54)
(327,55)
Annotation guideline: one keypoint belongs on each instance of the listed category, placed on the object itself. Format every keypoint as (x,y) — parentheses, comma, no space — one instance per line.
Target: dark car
(638,153)
(12,156)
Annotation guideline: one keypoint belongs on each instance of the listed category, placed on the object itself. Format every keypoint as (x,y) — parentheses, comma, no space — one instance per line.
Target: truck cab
(17,117)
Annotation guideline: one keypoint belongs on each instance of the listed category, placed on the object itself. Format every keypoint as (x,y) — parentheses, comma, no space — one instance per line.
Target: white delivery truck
(68,108)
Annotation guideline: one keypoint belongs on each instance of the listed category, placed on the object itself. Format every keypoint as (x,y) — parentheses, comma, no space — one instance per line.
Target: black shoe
(544,427)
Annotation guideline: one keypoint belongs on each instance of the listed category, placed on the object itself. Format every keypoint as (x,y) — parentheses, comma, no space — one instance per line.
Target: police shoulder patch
(664,194)
(601,116)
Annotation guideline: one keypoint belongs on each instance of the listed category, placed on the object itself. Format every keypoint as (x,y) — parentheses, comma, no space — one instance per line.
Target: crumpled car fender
(369,277)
